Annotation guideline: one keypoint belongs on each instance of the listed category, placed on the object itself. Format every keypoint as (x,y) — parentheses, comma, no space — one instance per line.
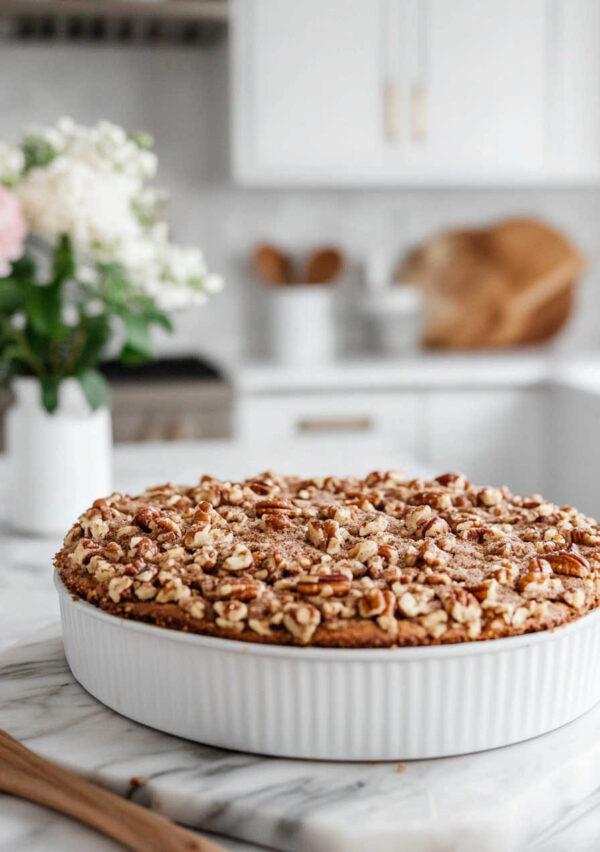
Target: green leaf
(49,388)
(22,269)
(96,331)
(142,139)
(137,336)
(114,284)
(94,387)
(132,357)
(37,152)
(146,307)
(43,309)
(63,264)
(11,295)
(157,317)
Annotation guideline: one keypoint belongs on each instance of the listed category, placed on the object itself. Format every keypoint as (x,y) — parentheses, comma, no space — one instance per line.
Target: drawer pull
(335,424)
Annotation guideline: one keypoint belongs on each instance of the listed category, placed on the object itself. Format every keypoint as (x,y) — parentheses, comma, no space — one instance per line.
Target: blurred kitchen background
(364,130)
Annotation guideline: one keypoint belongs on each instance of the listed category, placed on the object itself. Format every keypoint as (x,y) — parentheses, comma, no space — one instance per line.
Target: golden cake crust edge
(357,634)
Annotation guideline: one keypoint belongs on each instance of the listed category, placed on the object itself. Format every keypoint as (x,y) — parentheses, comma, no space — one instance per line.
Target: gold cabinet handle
(334,424)
(418,112)
(391,129)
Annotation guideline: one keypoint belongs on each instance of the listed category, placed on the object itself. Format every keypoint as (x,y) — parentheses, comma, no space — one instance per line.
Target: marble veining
(538,795)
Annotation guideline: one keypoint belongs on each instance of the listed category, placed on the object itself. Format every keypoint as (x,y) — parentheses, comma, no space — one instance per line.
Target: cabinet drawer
(314,417)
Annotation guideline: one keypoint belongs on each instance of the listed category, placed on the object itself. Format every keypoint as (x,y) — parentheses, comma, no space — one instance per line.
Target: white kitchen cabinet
(573,125)
(493,435)
(477,89)
(392,420)
(307,88)
(496,435)
(344,92)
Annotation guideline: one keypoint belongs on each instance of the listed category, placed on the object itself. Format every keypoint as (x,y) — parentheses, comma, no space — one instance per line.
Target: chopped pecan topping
(301,620)
(364,550)
(325,585)
(326,560)
(276,507)
(277,522)
(490,496)
(373,526)
(372,603)
(238,559)
(461,605)
(231,615)
(416,518)
(455,481)
(327,535)
(433,528)
(570,564)
(415,601)
(118,587)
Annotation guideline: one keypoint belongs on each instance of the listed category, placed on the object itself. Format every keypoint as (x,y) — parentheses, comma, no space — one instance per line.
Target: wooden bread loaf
(507,285)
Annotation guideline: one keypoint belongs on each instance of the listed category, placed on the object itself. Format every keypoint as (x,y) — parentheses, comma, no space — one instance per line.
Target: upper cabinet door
(574,86)
(477,89)
(307,89)
(422,92)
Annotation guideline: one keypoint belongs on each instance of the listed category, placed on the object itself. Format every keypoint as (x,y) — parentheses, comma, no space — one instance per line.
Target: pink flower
(13,230)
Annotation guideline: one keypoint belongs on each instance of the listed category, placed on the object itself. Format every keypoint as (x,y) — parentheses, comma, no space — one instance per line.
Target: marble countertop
(558,802)
(516,798)
(422,370)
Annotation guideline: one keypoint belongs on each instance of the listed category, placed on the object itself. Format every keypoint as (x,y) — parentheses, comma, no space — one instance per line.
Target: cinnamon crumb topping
(384,560)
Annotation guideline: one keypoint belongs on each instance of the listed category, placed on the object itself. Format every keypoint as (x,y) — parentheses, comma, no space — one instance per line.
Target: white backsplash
(181,96)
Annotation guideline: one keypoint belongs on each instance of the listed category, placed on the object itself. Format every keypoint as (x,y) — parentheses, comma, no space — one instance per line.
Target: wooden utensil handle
(25,774)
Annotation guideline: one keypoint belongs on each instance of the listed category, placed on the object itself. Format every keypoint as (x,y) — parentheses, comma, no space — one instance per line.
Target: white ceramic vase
(302,324)
(58,463)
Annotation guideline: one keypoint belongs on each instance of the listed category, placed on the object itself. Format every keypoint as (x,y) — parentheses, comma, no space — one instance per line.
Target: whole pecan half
(276,507)
(325,584)
(570,564)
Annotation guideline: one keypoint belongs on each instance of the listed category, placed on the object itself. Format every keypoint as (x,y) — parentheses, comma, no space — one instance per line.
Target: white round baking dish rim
(334,704)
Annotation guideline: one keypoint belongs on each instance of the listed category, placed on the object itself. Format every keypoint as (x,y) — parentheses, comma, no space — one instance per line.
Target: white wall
(180,95)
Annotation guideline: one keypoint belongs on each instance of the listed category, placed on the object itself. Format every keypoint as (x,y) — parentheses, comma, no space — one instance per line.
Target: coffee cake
(374,562)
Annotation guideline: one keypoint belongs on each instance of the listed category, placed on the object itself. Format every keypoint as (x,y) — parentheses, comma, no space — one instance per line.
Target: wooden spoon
(272,265)
(28,776)
(324,265)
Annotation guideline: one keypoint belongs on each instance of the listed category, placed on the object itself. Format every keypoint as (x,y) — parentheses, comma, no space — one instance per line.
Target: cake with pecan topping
(374,562)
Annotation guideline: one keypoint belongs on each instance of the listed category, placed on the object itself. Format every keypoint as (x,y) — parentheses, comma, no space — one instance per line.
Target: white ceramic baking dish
(335,704)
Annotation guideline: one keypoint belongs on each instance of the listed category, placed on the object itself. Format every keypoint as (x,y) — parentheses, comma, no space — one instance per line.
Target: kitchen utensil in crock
(272,265)
(324,265)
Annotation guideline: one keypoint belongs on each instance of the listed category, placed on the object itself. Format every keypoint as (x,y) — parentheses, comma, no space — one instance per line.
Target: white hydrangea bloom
(69,197)
(94,190)
(11,163)
(70,315)
(105,147)
(18,321)
(174,276)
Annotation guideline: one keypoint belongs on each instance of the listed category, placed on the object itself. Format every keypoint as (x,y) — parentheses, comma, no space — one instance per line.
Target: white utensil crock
(58,463)
(302,323)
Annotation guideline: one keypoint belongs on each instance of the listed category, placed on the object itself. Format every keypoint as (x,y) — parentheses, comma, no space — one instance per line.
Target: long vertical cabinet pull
(391,130)
(418,111)
(390,86)
(419,90)
(555,108)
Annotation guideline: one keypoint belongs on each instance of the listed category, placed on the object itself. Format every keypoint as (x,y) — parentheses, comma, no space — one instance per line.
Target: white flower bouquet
(83,197)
